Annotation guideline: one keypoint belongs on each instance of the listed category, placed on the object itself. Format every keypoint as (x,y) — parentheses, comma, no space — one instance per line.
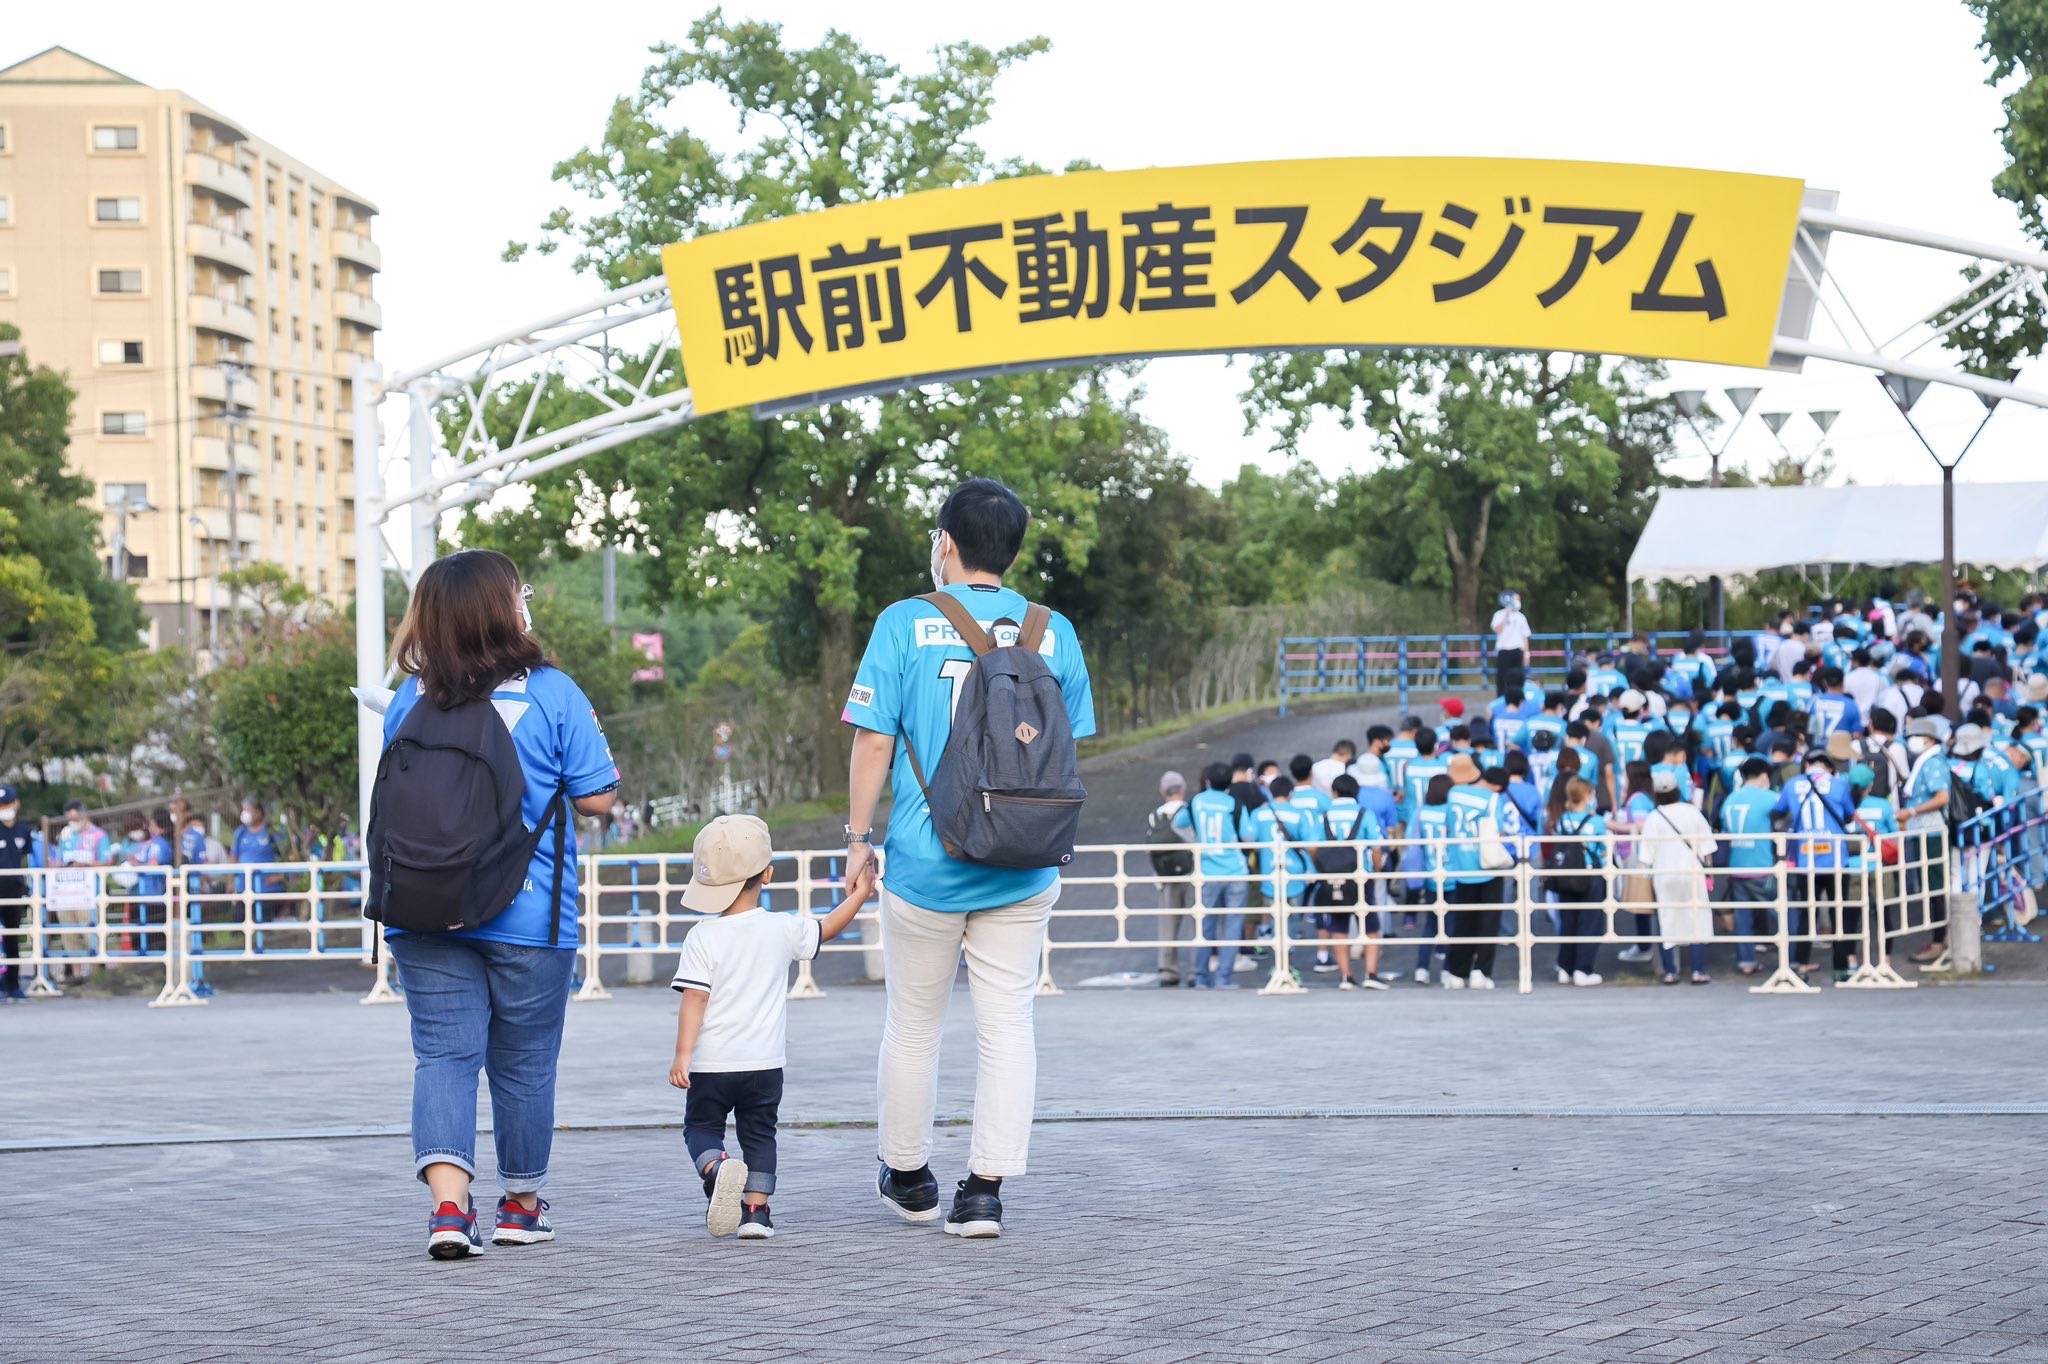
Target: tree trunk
(838,657)
(1465,567)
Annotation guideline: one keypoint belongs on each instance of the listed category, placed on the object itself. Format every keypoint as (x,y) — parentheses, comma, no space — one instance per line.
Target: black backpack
(1568,857)
(447,847)
(1006,792)
(1879,757)
(1965,803)
(1340,860)
(1159,829)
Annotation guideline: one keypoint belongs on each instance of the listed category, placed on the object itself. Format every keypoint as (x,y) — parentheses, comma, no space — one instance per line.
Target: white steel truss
(596,349)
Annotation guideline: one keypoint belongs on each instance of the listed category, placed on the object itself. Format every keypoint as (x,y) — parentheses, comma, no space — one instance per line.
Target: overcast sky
(451,116)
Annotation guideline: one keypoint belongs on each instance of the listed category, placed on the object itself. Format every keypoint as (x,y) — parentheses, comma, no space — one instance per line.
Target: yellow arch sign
(1395,251)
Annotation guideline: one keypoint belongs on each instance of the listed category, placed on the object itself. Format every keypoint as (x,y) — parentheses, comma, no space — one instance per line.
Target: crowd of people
(136,857)
(1681,787)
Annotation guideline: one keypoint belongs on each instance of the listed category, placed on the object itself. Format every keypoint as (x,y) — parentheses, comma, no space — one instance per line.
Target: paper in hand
(377,699)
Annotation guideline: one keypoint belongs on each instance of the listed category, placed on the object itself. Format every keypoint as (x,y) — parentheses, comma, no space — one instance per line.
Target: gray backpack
(1006,792)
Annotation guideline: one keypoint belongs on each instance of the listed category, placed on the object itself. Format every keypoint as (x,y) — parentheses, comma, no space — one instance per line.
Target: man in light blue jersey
(1751,878)
(1216,820)
(1401,750)
(935,907)
(1549,720)
(1416,773)
(1627,727)
(1696,667)
(1833,709)
(1281,826)
(1347,821)
(1606,679)
(1482,829)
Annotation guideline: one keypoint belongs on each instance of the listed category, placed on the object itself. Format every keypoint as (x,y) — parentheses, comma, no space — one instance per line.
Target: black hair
(1516,763)
(1241,762)
(1269,764)
(1460,732)
(1379,732)
(1344,786)
(987,523)
(1494,776)
(1752,768)
(71,805)
(1301,766)
(1425,741)
(1576,729)
(1217,775)
(2021,718)
(1555,700)
(1575,680)
(1543,740)
(1282,788)
(1439,789)
(1656,744)
(1344,746)
(1513,696)
(1883,721)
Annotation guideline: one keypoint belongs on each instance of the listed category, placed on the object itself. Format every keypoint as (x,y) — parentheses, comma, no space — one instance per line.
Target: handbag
(1493,854)
(1888,849)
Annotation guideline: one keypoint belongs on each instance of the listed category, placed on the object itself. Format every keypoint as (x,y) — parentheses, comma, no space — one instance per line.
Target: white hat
(1630,700)
(1663,779)
(2037,687)
(1969,740)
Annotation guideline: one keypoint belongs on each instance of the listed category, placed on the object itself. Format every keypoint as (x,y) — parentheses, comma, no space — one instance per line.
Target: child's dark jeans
(751,1097)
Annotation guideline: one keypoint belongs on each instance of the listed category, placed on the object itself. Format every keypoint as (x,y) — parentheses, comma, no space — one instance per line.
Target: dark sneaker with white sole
(756,1224)
(452,1233)
(914,1196)
(976,1215)
(517,1226)
(725,1186)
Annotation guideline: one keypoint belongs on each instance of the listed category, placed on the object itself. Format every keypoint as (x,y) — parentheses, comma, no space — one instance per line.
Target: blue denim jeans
(1226,928)
(490,1006)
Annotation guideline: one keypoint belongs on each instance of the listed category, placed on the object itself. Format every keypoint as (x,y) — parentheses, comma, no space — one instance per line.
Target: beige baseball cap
(730,851)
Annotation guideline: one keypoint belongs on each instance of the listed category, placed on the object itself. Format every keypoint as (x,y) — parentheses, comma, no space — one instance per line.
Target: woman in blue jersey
(492,998)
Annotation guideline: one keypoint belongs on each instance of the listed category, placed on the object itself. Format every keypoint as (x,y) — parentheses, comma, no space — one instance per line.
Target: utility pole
(611,587)
(212,591)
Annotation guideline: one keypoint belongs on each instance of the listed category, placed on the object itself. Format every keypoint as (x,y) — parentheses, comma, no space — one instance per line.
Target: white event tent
(1700,533)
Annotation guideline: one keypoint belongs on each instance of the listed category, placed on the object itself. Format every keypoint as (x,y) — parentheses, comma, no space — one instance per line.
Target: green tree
(282,706)
(1483,463)
(814,518)
(2015,42)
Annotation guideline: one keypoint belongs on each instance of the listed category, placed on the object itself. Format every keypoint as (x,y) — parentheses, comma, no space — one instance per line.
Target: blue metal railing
(2000,855)
(1360,665)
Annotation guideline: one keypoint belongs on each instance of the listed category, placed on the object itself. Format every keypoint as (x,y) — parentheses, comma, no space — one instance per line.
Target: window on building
(116,138)
(316,270)
(6,280)
(297,334)
(273,322)
(137,564)
(3,137)
(6,210)
(321,578)
(316,337)
(294,258)
(270,198)
(270,255)
(298,454)
(117,210)
(276,386)
(120,352)
(120,281)
(126,494)
(298,392)
(123,424)
(291,202)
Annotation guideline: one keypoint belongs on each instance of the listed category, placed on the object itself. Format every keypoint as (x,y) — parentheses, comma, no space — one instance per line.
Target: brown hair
(462,634)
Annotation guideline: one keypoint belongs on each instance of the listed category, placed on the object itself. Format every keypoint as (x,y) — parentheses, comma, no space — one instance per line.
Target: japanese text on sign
(1638,260)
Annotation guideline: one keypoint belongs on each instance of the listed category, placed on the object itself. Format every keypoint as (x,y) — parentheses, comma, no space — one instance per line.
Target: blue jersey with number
(556,734)
(1213,818)
(1821,819)
(1284,826)
(1834,711)
(1415,781)
(907,685)
(1746,818)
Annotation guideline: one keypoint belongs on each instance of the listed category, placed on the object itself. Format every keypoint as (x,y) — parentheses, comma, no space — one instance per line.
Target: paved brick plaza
(1816,1205)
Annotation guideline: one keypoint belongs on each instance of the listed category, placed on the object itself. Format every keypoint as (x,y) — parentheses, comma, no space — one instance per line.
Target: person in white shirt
(731,1031)
(1864,683)
(1333,767)
(1510,642)
(1903,694)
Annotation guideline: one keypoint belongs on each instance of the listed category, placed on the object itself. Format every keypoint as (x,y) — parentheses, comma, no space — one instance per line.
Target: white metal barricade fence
(1407,900)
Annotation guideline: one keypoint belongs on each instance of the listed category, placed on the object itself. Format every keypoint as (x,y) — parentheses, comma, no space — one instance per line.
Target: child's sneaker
(724,1184)
(519,1227)
(452,1233)
(756,1224)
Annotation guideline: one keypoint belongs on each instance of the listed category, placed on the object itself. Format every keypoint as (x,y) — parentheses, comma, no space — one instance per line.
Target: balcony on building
(221,247)
(223,178)
(211,383)
(210,440)
(215,521)
(359,249)
(346,360)
(220,315)
(360,309)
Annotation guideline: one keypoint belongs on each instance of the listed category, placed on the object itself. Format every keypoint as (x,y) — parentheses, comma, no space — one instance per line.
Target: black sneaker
(756,1224)
(975,1214)
(915,1198)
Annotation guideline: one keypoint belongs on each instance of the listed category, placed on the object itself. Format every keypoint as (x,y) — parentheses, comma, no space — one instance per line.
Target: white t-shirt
(1511,628)
(1323,773)
(1864,686)
(742,962)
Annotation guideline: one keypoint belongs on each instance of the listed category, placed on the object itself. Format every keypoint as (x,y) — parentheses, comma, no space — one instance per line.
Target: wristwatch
(852,837)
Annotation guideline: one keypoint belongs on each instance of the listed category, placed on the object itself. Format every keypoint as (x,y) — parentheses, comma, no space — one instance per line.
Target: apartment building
(209,296)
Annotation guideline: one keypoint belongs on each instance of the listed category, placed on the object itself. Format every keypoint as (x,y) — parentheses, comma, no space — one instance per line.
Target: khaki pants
(922,950)
(1168,928)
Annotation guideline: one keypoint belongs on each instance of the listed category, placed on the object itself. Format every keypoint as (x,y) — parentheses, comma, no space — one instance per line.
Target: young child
(731,1029)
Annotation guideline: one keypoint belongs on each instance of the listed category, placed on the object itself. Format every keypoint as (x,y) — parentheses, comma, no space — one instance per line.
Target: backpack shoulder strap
(962,620)
(1037,619)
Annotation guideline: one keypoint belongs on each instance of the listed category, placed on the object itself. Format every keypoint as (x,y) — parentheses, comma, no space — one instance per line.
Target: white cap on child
(730,851)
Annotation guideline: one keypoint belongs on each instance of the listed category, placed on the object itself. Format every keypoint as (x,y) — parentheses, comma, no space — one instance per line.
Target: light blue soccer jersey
(1214,817)
(1834,711)
(1469,807)
(556,734)
(1282,827)
(907,685)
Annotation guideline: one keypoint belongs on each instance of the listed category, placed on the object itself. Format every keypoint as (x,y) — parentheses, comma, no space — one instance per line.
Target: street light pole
(1904,393)
(1691,403)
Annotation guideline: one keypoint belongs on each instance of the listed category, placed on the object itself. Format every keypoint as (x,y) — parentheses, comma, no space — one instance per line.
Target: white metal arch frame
(582,348)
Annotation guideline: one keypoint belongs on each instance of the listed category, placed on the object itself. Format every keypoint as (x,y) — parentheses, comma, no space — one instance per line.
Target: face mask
(249,818)
(939,560)
(7,813)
